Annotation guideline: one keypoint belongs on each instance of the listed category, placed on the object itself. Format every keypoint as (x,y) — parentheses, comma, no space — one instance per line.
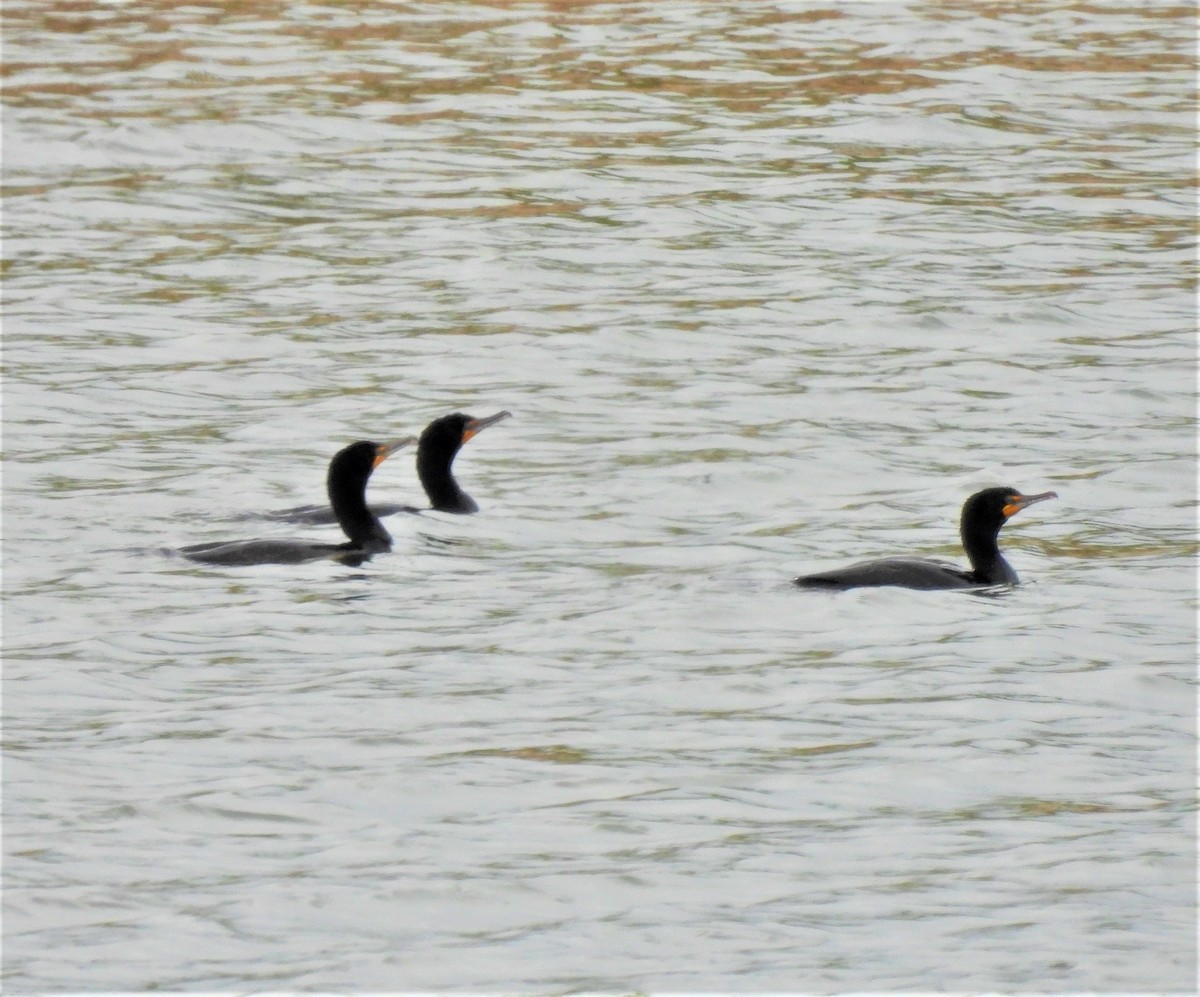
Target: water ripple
(767,288)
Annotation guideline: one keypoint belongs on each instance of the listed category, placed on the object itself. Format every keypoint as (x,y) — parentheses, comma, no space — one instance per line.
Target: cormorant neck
(444,492)
(349,500)
(987,563)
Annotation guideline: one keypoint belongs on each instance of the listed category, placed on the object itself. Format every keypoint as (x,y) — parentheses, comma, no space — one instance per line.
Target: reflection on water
(773,287)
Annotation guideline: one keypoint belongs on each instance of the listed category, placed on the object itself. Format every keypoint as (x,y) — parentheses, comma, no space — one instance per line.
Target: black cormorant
(349,472)
(982,516)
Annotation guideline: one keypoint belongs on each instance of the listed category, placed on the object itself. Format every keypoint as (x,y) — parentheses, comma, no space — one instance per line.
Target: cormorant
(349,472)
(982,516)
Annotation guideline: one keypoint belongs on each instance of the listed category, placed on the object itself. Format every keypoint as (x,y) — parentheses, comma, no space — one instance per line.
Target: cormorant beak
(1018,502)
(476,426)
(384,450)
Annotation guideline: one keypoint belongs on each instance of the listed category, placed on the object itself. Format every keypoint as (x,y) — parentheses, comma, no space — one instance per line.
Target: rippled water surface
(768,288)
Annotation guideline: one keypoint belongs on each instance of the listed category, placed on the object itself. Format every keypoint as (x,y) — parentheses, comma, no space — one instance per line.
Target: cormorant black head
(985,512)
(356,462)
(447,434)
(438,446)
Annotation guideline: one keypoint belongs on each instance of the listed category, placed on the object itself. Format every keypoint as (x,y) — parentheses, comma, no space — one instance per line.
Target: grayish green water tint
(768,288)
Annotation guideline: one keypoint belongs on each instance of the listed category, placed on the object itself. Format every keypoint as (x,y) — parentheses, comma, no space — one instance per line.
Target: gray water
(768,288)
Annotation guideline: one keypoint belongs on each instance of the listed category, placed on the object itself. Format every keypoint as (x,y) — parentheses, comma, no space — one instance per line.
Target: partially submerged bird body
(982,516)
(437,447)
(268,551)
(902,572)
(346,482)
(322,515)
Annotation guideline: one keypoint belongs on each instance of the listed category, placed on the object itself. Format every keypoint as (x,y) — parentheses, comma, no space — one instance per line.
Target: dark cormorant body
(982,516)
(346,482)
(438,446)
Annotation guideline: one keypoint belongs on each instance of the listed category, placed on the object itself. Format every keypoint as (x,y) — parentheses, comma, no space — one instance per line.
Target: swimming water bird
(436,450)
(346,482)
(982,516)
(438,446)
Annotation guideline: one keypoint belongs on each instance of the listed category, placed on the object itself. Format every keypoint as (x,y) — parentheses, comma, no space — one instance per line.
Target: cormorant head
(988,510)
(356,462)
(447,434)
